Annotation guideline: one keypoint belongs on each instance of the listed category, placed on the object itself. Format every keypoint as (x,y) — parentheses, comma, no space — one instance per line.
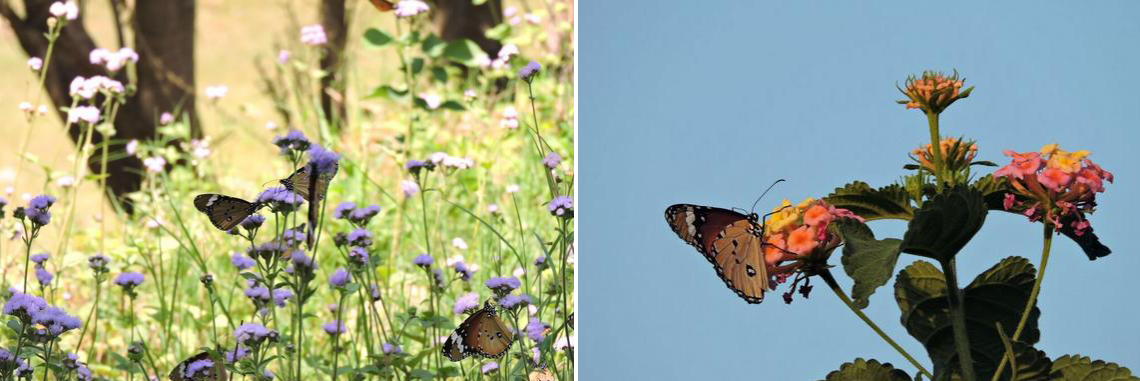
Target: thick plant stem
(958,320)
(935,147)
(1048,242)
(830,280)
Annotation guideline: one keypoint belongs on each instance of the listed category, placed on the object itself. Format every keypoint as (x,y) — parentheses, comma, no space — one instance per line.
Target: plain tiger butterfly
(301,183)
(225,212)
(204,366)
(483,333)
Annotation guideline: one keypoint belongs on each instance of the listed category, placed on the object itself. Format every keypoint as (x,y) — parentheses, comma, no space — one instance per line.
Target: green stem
(935,147)
(1048,242)
(830,280)
(958,320)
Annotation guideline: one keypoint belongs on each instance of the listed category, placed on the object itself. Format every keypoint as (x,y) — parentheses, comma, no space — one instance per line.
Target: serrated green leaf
(1082,368)
(998,295)
(375,38)
(945,223)
(889,202)
(464,51)
(865,370)
(869,262)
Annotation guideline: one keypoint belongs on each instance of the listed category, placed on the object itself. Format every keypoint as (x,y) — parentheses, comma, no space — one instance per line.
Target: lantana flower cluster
(1055,186)
(800,234)
(933,91)
(957,154)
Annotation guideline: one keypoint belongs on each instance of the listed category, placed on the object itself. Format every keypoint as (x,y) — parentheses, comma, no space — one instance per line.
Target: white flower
(482,61)
(513,188)
(510,118)
(270,125)
(563,342)
(408,8)
(26,107)
(89,114)
(65,181)
(493,208)
(153,222)
(87,87)
(35,63)
(510,11)
(532,309)
(459,243)
(113,60)
(499,63)
(98,56)
(312,35)
(200,148)
(433,100)
(66,10)
(469,94)
(154,164)
(409,187)
(216,92)
(453,260)
(132,147)
(532,18)
(508,50)
(437,157)
(510,112)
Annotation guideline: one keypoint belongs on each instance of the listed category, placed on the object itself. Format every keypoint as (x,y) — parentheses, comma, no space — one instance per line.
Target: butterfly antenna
(765,192)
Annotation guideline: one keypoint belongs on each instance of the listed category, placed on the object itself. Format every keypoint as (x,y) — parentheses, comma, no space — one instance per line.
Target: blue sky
(708,102)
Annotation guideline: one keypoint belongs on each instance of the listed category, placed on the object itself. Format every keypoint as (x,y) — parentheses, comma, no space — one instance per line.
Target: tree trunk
(164,38)
(333,20)
(457,19)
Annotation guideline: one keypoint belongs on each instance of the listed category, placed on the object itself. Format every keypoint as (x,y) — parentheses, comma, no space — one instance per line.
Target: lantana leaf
(1082,368)
(998,295)
(872,369)
(945,223)
(869,262)
(889,202)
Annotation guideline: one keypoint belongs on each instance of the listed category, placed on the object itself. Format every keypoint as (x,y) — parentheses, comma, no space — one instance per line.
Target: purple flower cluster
(98,263)
(323,160)
(358,256)
(293,141)
(252,334)
(391,349)
(56,320)
(512,301)
(252,222)
(490,367)
(198,368)
(464,272)
(24,306)
(339,278)
(466,303)
(502,285)
(43,276)
(343,210)
(358,216)
(242,262)
(528,72)
(259,294)
(282,295)
(360,238)
(423,260)
(561,206)
(40,258)
(416,166)
(280,199)
(268,250)
(129,280)
(334,327)
(552,160)
(37,210)
(536,329)
(9,362)
(540,262)
(236,355)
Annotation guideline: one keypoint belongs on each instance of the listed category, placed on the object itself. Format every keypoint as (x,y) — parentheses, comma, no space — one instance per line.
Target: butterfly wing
(217,373)
(224,212)
(729,240)
(302,184)
(383,5)
(483,333)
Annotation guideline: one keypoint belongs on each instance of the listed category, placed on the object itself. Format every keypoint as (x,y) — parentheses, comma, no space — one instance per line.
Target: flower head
(360,238)
(422,260)
(292,141)
(216,92)
(280,199)
(409,188)
(40,258)
(98,263)
(313,35)
(957,154)
(334,327)
(802,235)
(502,285)
(67,10)
(490,367)
(391,349)
(43,276)
(89,114)
(361,216)
(512,301)
(408,8)
(552,160)
(466,303)
(154,164)
(252,222)
(339,278)
(561,206)
(1053,185)
(933,91)
(323,160)
(528,72)
(35,63)
(24,306)
(536,329)
(252,334)
(129,280)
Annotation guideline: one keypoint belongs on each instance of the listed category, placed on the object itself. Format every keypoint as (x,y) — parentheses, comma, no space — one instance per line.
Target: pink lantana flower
(798,240)
(1053,185)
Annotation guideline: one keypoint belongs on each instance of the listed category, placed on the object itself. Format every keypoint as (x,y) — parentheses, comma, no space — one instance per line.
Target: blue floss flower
(536,329)
(302,261)
(254,221)
(343,209)
(42,201)
(422,260)
(56,320)
(252,334)
(40,258)
(323,160)
(24,306)
(528,72)
(540,262)
(43,276)
(464,272)
(339,278)
(561,206)
(236,355)
(242,262)
(334,327)
(552,160)
(490,367)
(360,238)
(391,349)
(358,256)
(282,295)
(198,368)
(503,285)
(280,199)
(361,216)
(465,303)
(98,262)
(512,301)
(292,141)
(374,292)
(129,280)
(259,294)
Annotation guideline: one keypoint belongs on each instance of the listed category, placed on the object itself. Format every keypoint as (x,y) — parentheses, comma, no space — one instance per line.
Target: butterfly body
(731,241)
(215,372)
(483,333)
(225,212)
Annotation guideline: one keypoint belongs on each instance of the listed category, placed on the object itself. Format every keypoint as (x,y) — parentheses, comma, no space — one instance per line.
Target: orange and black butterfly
(731,241)
(301,183)
(383,5)
(483,333)
(204,366)
(225,212)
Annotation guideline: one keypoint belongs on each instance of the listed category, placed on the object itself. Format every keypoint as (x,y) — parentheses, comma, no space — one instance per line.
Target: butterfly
(383,5)
(541,375)
(301,183)
(483,333)
(731,241)
(215,372)
(225,212)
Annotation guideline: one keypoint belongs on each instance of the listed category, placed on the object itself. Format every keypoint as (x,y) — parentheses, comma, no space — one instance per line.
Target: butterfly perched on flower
(383,5)
(483,333)
(225,212)
(204,366)
(731,241)
(303,184)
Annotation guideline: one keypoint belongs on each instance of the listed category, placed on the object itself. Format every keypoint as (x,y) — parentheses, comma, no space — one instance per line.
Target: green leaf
(499,32)
(869,262)
(417,65)
(422,374)
(945,223)
(862,370)
(389,92)
(464,51)
(998,295)
(433,46)
(1082,368)
(889,202)
(439,74)
(452,105)
(985,163)
(376,38)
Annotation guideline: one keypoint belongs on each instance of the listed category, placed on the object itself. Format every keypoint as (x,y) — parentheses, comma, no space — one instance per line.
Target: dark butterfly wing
(300,183)
(216,373)
(731,241)
(224,212)
(483,334)
(383,5)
